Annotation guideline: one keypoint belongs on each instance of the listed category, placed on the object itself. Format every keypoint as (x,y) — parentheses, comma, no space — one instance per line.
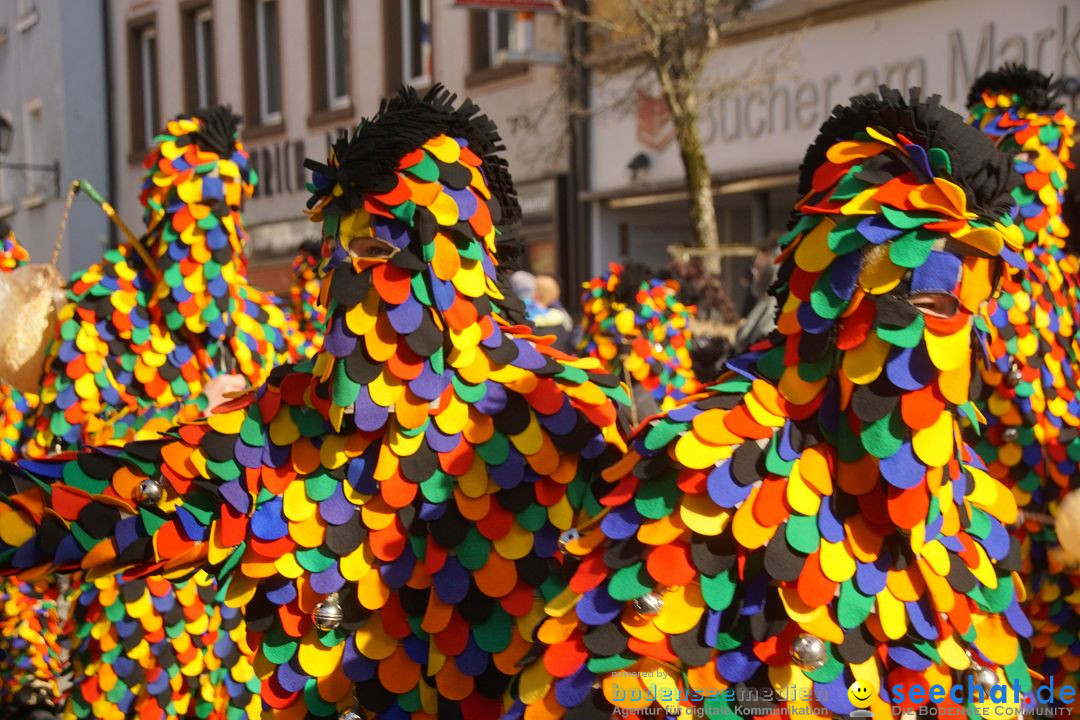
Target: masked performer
(148,326)
(634,324)
(31,657)
(1032,443)
(387,515)
(147,336)
(814,522)
(14,405)
(304,293)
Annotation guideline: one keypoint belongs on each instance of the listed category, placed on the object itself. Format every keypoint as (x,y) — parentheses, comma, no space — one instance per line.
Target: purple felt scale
(876,229)
(922,619)
(908,658)
(267,522)
(738,665)
(902,469)
(236,496)
(870,577)
(406,317)
(368,415)
(451,582)
(722,488)
(573,690)
(465,201)
(621,522)
(327,581)
(910,369)
(355,666)
(247,456)
(940,273)
(291,680)
(428,384)
(336,509)
(844,273)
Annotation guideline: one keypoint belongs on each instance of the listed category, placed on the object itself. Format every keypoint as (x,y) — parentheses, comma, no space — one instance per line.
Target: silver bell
(328,614)
(1010,434)
(649,604)
(149,492)
(568,536)
(809,652)
(986,678)
(349,715)
(1014,376)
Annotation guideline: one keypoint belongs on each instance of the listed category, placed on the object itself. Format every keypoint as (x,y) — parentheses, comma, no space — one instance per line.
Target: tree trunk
(698,179)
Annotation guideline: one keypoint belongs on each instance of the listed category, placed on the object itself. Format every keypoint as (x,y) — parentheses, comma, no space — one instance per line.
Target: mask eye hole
(371,248)
(935,304)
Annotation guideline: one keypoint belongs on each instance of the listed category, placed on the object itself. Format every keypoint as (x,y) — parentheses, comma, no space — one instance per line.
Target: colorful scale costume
(813,519)
(31,658)
(635,324)
(142,329)
(14,405)
(142,336)
(145,646)
(387,515)
(1033,403)
(304,293)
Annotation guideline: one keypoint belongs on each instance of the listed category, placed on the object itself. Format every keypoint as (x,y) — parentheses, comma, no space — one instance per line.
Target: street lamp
(6,133)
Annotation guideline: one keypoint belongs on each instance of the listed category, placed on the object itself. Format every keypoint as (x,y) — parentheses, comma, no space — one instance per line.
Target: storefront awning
(643,194)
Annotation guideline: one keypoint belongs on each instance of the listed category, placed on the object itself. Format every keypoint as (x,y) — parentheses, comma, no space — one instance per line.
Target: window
(202,90)
(148,58)
(329,42)
(33,152)
(500,37)
(416,41)
(337,53)
(143,85)
(5,192)
(262,63)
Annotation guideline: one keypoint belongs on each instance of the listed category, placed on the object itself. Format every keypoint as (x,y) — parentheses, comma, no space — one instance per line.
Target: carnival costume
(31,656)
(388,514)
(304,293)
(635,324)
(143,333)
(1032,443)
(814,520)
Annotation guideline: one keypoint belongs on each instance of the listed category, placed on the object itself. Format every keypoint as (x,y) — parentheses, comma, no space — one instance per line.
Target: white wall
(57,59)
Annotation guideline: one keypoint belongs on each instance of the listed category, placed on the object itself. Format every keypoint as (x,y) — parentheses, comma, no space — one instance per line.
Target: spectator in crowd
(551,317)
(523,283)
(760,307)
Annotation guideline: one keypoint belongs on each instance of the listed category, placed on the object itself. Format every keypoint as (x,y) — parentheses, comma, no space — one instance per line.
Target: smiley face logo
(860,693)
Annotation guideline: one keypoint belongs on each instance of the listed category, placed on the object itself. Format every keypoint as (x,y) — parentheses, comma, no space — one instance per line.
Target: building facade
(301,71)
(52,96)
(782,71)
